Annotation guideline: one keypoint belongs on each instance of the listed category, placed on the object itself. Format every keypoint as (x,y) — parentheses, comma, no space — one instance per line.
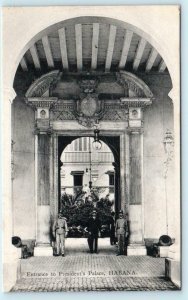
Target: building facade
(82,163)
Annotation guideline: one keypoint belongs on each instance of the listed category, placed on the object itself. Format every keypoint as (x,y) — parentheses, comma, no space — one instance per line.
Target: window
(111,179)
(77,178)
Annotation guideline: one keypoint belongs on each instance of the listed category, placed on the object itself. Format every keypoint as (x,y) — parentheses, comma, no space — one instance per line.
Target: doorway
(88,179)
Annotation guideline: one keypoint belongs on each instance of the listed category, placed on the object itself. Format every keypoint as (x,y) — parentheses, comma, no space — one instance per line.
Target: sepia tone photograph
(91,148)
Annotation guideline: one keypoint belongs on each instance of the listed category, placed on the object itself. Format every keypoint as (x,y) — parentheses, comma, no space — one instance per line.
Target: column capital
(135,117)
(43,130)
(41,102)
(135,130)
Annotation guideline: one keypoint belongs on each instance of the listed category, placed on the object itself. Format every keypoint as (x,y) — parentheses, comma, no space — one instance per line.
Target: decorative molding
(135,130)
(63,115)
(42,116)
(136,102)
(63,110)
(76,173)
(43,84)
(135,117)
(66,110)
(89,109)
(136,84)
(43,129)
(120,80)
(115,113)
(41,102)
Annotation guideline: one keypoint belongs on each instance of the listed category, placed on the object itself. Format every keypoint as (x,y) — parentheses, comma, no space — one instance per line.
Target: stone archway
(122,118)
(83,151)
(162,40)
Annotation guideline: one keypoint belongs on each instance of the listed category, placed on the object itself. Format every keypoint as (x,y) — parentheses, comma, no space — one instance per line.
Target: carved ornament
(63,111)
(89,108)
(43,84)
(135,84)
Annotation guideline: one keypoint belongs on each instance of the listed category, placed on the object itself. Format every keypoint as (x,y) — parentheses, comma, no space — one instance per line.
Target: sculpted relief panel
(91,98)
(104,112)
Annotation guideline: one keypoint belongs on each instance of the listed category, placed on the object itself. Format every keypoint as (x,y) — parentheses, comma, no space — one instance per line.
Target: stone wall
(157,119)
(23,189)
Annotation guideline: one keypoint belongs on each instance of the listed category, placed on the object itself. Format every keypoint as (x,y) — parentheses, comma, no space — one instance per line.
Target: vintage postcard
(91,148)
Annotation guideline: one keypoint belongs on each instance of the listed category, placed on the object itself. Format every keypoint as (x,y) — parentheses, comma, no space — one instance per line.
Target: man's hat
(120,212)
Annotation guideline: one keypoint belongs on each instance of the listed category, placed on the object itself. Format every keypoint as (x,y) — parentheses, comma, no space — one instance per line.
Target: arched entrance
(101,167)
(87,182)
(86,170)
(59,121)
(126,111)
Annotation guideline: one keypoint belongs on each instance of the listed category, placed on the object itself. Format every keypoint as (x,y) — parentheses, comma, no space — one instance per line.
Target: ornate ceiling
(91,44)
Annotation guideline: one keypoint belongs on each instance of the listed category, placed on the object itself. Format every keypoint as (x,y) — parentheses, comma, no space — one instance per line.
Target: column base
(11,267)
(163,251)
(173,271)
(174,252)
(136,249)
(43,250)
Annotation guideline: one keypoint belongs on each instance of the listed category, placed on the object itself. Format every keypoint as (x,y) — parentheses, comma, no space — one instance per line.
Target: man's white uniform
(121,231)
(60,231)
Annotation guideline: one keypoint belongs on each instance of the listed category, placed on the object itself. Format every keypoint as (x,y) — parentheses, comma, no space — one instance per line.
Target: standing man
(112,229)
(121,232)
(60,231)
(93,228)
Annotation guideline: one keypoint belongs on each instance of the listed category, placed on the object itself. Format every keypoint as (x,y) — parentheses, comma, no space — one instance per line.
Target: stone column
(136,240)
(55,178)
(122,172)
(116,185)
(43,196)
(11,254)
(173,262)
(43,173)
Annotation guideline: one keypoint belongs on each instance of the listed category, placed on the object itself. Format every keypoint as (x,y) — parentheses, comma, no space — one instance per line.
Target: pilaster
(134,149)
(11,254)
(43,172)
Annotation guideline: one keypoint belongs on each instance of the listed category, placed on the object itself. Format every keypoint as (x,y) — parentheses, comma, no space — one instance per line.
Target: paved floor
(93,284)
(82,271)
(92,264)
(79,246)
